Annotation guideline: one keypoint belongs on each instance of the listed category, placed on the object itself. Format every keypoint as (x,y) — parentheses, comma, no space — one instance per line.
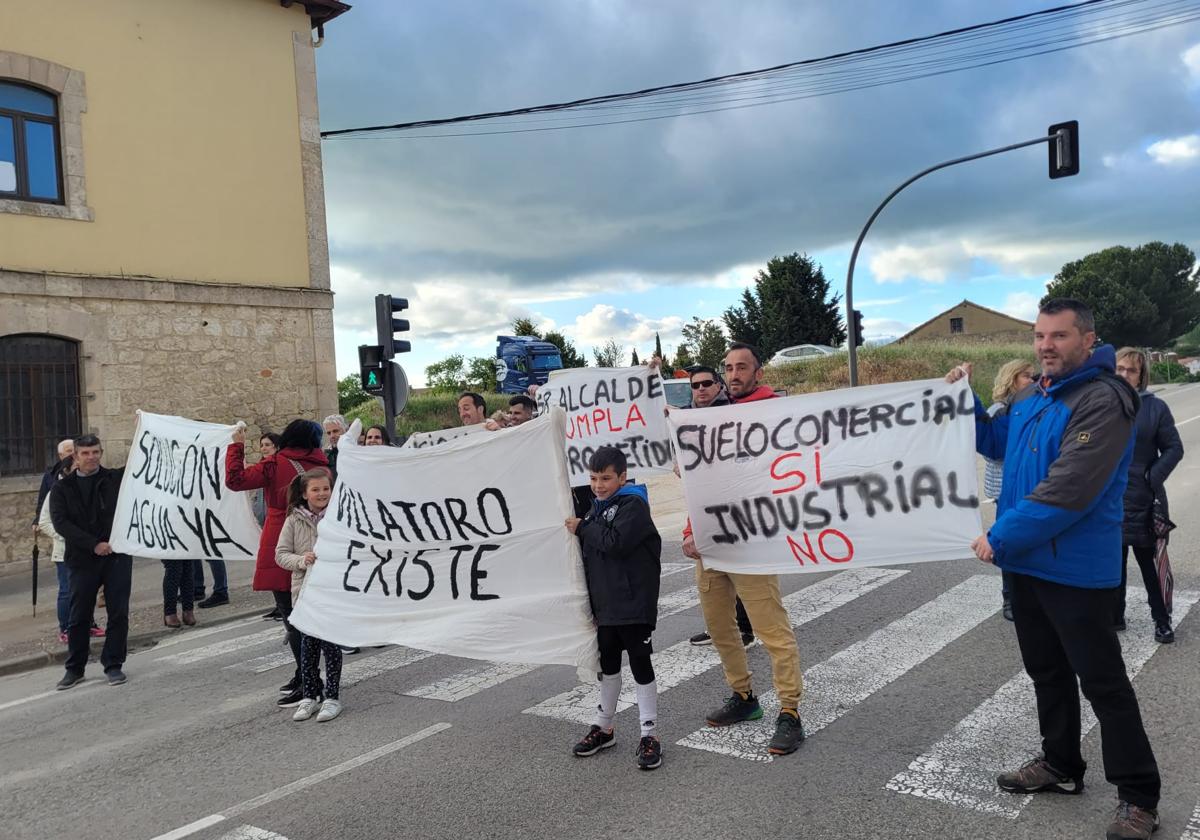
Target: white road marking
(683,660)
(381,663)
(187,657)
(262,664)
(250,832)
(21,701)
(470,682)
(850,676)
(1192,830)
(1189,420)
(1002,732)
(669,569)
(189,635)
(301,784)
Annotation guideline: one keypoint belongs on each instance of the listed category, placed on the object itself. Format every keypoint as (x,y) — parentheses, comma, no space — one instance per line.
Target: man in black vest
(82,506)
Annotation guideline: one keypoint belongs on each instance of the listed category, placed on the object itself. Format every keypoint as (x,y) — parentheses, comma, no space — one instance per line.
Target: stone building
(162,226)
(973,323)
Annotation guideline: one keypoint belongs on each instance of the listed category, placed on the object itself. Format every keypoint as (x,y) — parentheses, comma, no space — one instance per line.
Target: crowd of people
(1078,452)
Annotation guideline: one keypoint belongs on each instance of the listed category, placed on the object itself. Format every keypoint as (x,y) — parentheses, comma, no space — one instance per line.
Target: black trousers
(743,620)
(177,585)
(1144,554)
(283,600)
(1066,634)
(115,573)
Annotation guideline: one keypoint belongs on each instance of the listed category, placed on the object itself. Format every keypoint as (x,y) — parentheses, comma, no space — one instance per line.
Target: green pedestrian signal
(370,359)
(373,379)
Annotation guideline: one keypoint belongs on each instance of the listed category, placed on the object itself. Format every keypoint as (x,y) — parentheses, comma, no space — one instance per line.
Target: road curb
(144,639)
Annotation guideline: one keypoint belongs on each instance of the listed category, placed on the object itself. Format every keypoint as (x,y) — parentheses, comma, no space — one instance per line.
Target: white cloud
(1023,305)
(876,329)
(1191,60)
(928,263)
(878,302)
(955,258)
(629,329)
(1176,150)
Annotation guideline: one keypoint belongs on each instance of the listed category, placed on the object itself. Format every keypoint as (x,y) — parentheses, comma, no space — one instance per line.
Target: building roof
(1017,322)
(320,12)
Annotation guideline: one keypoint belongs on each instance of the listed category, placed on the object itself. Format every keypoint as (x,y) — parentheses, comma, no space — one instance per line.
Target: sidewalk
(28,642)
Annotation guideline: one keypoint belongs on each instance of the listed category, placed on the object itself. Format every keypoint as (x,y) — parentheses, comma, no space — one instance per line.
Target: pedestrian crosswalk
(955,770)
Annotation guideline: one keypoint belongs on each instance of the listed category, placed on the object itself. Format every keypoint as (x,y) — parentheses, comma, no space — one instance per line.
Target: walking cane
(35,571)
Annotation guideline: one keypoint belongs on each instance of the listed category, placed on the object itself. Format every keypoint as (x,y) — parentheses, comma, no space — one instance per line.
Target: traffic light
(370,365)
(386,326)
(1064,149)
(858,328)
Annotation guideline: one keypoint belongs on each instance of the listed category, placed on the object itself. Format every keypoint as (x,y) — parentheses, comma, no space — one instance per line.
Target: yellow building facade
(162,225)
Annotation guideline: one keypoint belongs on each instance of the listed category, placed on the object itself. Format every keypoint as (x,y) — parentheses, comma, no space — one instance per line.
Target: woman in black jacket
(1157,450)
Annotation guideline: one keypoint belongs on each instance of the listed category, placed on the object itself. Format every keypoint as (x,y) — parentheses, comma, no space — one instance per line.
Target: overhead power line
(996,42)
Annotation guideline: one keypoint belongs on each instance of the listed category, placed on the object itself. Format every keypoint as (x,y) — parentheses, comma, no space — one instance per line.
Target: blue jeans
(64,596)
(220,578)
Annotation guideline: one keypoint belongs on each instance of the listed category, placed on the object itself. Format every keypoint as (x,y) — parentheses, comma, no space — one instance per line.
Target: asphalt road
(915,699)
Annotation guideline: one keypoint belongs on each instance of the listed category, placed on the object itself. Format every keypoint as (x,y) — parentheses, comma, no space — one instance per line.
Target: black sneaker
(213,600)
(289,700)
(1008,613)
(291,685)
(747,639)
(736,710)
(1037,776)
(273,615)
(701,639)
(1163,634)
(69,680)
(115,676)
(649,753)
(789,732)
(595,740)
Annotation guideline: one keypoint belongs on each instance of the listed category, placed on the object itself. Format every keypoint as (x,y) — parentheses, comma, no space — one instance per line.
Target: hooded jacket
(1157,450)
(1066,447)
(622,558)
(298,536)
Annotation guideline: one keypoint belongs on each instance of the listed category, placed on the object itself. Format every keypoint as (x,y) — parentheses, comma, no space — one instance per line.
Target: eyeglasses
(703,383)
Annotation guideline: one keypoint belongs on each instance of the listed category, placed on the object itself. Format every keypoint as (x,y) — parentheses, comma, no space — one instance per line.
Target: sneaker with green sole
(736,709)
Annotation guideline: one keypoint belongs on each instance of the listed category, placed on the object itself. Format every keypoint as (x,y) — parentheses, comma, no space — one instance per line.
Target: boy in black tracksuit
(621,556)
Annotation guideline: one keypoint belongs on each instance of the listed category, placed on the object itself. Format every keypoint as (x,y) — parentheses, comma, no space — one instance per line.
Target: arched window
(30,159)
(39,400)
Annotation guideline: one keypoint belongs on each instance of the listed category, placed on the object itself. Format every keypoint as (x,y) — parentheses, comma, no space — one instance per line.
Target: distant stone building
(973,323)
(162,220)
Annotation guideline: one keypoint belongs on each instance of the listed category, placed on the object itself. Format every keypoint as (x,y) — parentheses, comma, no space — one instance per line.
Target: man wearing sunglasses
(708,388)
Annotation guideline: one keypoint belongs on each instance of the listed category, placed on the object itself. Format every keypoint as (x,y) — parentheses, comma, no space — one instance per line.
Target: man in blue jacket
(1066,443)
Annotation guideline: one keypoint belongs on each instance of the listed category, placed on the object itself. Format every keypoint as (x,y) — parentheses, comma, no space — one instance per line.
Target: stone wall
(209,352)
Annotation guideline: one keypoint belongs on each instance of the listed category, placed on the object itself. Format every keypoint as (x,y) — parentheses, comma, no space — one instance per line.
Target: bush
(424,412)
(899,363)
(1162,373)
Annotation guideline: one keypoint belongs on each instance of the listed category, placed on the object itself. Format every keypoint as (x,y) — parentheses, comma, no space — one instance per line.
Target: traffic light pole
(1055,137)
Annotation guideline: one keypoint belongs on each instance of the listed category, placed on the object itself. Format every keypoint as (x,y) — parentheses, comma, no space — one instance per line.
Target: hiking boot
(595,740)
(307,708)
(736,710)
(701,639)
(69,680)
(172,621)
(649,753)
(1132,823)
(213,600)
(1163,634)
(789,732)
(1037,776)
(747,639)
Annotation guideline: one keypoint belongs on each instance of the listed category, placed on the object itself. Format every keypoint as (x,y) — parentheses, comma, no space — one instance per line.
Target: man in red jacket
(760,595)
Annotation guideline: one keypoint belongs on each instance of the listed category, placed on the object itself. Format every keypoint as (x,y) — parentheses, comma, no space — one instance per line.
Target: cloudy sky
(621,231)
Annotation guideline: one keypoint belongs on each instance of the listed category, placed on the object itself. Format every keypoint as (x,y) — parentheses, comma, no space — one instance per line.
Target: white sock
(647,696)
(610,691)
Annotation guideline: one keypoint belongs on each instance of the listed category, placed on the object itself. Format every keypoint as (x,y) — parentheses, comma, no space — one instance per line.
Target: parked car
(678,392)
(802,353)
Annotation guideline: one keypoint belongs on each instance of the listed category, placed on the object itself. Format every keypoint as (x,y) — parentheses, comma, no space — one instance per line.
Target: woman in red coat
(300,450)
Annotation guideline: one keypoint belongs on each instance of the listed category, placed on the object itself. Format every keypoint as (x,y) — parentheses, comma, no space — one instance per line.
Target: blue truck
(522,361)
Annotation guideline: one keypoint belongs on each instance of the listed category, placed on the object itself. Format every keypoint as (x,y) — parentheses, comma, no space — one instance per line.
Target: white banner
(871,476)
(173,503)
(621,407)
(420,440)
(458,549)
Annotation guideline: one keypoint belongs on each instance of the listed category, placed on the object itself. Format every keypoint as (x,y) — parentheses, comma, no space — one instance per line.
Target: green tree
(447,375)
(481,374)
(350,393)
(609,355)
(658,348)
(633,360)
(706,342)
(683,358)
(1144,296)
(571,357)
(789,304)
(524,326)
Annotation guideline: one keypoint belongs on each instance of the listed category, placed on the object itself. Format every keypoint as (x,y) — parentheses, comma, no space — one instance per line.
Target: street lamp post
(1064,161)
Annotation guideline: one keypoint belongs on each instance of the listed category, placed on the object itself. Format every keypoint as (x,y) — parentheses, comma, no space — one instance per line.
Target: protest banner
(173,503)
(420,440)
(870,476)
(459,549)
(622,407)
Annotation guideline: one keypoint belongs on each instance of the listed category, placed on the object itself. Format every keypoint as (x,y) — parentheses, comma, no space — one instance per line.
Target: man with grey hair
(66,449)
(335,426)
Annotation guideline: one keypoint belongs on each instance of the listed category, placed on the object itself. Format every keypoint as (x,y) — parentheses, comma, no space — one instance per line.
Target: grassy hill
(426,412)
